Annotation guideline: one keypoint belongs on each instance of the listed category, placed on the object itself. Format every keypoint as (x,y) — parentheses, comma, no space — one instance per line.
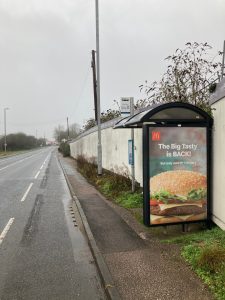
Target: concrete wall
(115,151)
(114,148)
(218,205)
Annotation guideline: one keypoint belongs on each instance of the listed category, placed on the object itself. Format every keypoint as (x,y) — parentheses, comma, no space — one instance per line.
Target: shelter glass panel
(177,113)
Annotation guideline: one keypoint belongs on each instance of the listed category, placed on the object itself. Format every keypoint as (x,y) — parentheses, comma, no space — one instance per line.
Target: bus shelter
(176,163)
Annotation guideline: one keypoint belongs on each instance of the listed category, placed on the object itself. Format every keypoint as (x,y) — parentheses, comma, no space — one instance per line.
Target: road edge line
(6,229)
(27,192)
(105,275)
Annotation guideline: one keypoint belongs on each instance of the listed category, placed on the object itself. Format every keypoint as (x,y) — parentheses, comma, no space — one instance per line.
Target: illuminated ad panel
(177,168)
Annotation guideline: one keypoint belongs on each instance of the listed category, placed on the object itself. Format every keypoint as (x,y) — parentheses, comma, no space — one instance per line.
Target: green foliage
(9,153)
(64,148)
(20,141)
(215,235)
(60,133)
(212,87)
(116,187)
(212,258)
(108,115)
(130,200)
(205,251)
(187,79)
(89,124)
(209,263)
(87,168)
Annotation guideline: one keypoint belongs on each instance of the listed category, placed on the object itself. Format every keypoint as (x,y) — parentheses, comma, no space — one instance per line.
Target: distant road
(42,254)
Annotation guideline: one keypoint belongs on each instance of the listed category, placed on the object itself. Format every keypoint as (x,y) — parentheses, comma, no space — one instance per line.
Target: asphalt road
(42,254)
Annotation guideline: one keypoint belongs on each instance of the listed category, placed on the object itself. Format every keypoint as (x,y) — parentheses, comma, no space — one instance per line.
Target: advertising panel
(178,174)
(131,152)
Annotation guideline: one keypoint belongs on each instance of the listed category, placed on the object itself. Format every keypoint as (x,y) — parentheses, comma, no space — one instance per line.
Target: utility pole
(222,67)
(94,83)
(132,138)
(5,109)
(36,138)
(98,92)
(68,131)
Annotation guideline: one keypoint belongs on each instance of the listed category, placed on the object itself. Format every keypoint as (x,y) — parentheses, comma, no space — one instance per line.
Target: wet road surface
(43,252)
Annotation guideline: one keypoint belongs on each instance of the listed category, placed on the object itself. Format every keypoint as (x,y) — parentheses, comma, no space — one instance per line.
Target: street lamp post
(5,109)
(99,149)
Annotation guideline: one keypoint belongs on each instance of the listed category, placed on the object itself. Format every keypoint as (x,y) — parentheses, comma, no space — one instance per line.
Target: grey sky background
(45,53)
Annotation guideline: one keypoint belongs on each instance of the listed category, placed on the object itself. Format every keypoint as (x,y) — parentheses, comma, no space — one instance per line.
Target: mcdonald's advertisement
(178,174)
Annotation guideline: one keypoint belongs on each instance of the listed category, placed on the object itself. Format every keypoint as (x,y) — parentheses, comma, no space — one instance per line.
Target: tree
(108,115)
(19,141)
(60,133)
(187,79)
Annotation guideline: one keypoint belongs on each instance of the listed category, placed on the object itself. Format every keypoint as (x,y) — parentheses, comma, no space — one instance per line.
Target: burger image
(177,196)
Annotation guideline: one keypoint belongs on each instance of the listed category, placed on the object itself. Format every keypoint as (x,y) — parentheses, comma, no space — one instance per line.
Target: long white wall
(115,154)
(114,149)
(218,205)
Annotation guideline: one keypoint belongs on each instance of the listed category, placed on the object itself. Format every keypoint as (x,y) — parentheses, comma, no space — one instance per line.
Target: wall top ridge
(219,93)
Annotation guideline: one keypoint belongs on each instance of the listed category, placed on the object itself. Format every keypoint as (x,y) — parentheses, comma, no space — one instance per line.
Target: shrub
(115,186)
(64,148)
(88,169)
(212,258)
(130,200)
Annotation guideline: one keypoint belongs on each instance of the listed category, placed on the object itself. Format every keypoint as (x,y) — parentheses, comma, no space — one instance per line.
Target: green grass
(205,252)
(116,187)
(9,153)
(129,200)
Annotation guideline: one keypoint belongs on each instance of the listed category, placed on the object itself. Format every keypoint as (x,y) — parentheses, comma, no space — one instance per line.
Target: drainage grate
(73,216)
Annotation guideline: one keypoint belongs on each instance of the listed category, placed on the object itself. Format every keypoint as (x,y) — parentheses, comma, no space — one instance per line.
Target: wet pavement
(141,266)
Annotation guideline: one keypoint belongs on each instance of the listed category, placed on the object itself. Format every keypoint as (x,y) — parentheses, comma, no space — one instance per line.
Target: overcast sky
(45,53)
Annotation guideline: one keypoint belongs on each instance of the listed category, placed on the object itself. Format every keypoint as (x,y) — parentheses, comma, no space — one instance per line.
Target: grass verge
(9,153)
(205,252)
(116,187)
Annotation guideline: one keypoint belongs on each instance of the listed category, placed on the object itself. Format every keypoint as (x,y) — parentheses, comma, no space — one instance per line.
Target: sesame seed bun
(176,219)
(179,182)
(165,220)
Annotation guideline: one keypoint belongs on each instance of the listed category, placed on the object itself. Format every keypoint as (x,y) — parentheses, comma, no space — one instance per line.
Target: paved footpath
(141,266)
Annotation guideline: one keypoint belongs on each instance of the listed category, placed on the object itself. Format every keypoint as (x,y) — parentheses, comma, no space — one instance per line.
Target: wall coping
(105,125)
(219,93)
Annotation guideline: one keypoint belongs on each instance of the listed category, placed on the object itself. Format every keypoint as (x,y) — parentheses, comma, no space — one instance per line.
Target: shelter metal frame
(174,114)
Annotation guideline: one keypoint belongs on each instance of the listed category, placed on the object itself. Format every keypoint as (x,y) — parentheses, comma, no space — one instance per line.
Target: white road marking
(36,176)
(27,191)
(16,162)
(6,229)
(44,162)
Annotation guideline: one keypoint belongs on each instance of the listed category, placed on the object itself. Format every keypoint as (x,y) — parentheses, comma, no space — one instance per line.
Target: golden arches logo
(155,136)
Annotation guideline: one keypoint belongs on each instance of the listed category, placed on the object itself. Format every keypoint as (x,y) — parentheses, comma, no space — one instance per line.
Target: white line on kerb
(6,229)
(36,176)
(27,191)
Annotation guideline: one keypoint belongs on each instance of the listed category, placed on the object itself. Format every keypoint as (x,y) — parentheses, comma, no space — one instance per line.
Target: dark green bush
(64,148)
(116,187)
(212,258)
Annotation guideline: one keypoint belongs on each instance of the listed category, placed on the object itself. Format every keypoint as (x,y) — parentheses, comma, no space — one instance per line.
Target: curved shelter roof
(169,113)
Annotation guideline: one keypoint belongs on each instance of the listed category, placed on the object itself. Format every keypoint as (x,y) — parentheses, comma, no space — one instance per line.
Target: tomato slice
(155,202)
